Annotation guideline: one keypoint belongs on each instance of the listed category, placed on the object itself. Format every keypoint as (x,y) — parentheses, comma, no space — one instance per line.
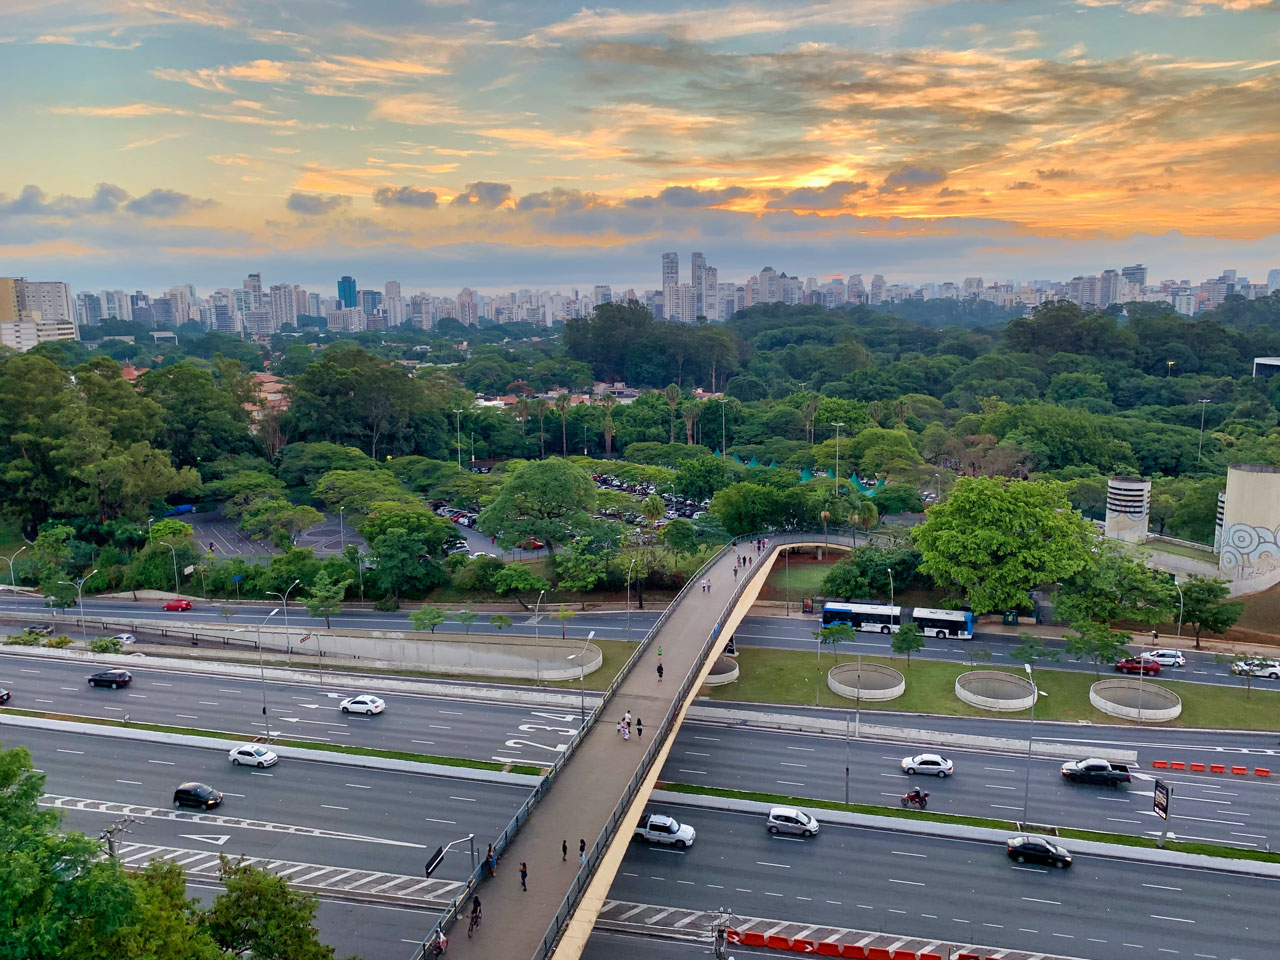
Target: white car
(252,755)
(1257,668)
(928,763)
(1166,658)
(366,703)
(125,638)
(791,820)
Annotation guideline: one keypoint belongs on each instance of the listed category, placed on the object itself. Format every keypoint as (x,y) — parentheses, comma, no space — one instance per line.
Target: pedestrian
(626,731)
(735,573)
(564,851)
(639,727)
(659,672)
(582,851)
(750,561)
(524,876)
(491,858)
(626,717)
(659,651)
(619,726)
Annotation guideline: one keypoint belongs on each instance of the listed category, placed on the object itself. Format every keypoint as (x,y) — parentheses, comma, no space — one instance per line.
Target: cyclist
(476,915)
(438,944)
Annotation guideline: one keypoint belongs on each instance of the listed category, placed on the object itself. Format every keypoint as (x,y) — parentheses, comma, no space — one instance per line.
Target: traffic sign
(1160,799)
(434,861)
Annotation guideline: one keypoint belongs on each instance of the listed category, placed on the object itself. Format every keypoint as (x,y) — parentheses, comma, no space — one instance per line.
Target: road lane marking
(785,764)
(996,786)
(1156,916)
(789,783)
(766,863)
(903,853)
(207,703)
(61,750)
(694,753)
(428,742)
(1122,820)
(187,716)
(157,683)
(452,713)
(38,700)
(133,783)
(999,769)
(712,739)
(686,770)
(1157,886)
(259,773)
(806,749)
(1056,903)
(434,820)
(359,786)
(165,763)
(330,806)
(465,799)
(913,883)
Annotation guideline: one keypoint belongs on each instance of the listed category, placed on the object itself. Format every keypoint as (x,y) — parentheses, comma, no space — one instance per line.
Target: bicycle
(474,924)
(436,946)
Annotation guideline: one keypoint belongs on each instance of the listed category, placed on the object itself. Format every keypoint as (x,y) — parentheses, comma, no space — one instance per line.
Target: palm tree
(540,409)
(562,408)
(810,411)
(673,401)
(653,508)
(522,414)
(608,401)
(865,515)
(691,411)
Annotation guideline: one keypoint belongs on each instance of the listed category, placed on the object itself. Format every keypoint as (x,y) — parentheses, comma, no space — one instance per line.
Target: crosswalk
(684,923)
(388,887)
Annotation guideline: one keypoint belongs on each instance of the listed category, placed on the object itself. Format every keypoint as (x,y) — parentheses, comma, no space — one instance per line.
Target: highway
(1242,811)
(298,711)
(955,890)
(797,633)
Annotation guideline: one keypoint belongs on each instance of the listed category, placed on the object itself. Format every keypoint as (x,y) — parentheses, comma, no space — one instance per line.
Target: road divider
(1236,769)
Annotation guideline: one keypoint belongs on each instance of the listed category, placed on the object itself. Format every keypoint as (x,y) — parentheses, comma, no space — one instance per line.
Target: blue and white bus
(883,618)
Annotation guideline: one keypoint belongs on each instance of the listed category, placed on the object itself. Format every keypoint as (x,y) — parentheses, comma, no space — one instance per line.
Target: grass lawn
(1191,553)
(801,577)
(792,677)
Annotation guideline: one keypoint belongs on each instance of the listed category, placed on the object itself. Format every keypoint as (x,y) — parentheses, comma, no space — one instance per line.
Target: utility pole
(457,422)
(1200,445)
(838,424)
(109,834)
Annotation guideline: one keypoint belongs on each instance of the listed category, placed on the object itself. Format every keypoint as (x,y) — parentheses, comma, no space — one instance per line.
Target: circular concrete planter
(995,690)
(873,682)
(724,670)
(1123,698)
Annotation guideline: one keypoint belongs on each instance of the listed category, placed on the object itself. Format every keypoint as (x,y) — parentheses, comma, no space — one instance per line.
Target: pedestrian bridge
(599,787)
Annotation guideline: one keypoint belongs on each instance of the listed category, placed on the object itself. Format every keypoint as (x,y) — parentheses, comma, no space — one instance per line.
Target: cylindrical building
(1250,541)
(1128,508)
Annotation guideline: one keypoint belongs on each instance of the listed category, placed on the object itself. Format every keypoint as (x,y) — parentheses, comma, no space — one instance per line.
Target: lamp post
(581,655)
(1179,589)
(457,422)
(857,727)
(837,424)
(1168,367)
(537,649)
(342,534)
(12,582)
(177,585)
(724,440)
(890,569)
(150,521)
(284,599)
(1026,791)
(262,672)
(1200,444)
(79,585)
(629,569)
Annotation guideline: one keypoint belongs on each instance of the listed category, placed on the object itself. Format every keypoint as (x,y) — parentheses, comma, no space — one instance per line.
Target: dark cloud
(830,197)
(483,194)
(164,203)
(1055,173)
(689,197)
(406,197)
(911,177)
(951,192)
(1024,185)
(314,204)
(558,199)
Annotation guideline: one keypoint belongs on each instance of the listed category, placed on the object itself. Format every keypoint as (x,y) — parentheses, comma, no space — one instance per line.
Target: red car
(533,543)
(177,605)
(1138,664)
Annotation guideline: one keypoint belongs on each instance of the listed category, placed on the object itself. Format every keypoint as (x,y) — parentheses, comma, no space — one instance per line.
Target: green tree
(547,499)
(744,508)
(170,528)
(324,596)
(865,572)
(907,640)
(106,645)
(356,491)
(1206,607)
(700,478)
(417,518)
(401,565)
(515,579)
(466,617)
(203,420)
(1095,642)
(579,570)
(260,914)
(280,520)
(427,618)
(653,508)
(866,516)
(1032,650)
(500,621)
(1112,585)
(564,615)
(835,634)
(681,537)
(994,541)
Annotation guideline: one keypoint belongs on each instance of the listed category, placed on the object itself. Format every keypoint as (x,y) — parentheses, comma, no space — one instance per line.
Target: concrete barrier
(868,681)
(724,671)
(1135,700)
(995,690)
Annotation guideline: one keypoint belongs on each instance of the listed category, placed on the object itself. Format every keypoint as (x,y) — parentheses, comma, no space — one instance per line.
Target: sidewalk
(580,802)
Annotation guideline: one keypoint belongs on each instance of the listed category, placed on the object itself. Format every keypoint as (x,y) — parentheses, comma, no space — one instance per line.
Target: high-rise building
(253,283)
(972,287)
(468,311)
(9,299)
(878,295)
(1273,280)
(88,307)
(33,312)
(391,288)
(768,286)
(855,292)
(710,305)
(1108,288)
(670,269)
(115,303)
(314,308)
(680,302)
(698,265)
(603,293)
(1135,274)
(346,319)
(370,301)
(347,291)
(283,307)
(180,298)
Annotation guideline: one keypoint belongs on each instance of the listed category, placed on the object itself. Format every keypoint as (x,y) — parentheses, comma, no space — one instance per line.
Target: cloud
(123,111)
(406,197)
(32,202)
(690,197)
(314,204)
(909,177)
(1023,185)
(951,192)
(333,76)
(483,194)
(162,204)
(557,200)
(831,197)
(1055,173)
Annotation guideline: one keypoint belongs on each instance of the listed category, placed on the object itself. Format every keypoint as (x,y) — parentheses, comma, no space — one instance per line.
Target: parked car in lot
(928,763)
(1166,658)
(1257,668)
(1094,770)
(1023,849)
(1144,665)
(252,755)
(111,678)
(366,703)
(791,820)
(199,795)
(177,605)
(660,828)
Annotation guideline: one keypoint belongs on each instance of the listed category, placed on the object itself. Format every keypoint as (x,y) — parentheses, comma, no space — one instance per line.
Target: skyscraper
(347,291)
(670,269)
(1273,280)
(253,283)
(603,293)
(698,267)
(1135,274)
(1108,288)
(710,294)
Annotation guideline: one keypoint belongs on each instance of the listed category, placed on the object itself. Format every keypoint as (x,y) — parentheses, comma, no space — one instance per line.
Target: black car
(199,795)
(4,695)
(111,678)
(41,628)
(1038,850)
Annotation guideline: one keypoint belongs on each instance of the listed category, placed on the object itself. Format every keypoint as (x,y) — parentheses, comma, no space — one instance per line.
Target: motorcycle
(917,796)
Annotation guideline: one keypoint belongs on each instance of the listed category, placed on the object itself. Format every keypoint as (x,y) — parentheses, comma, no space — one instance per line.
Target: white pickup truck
(660,828)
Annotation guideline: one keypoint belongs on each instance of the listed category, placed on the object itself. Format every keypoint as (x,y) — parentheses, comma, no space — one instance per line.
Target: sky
(500,145)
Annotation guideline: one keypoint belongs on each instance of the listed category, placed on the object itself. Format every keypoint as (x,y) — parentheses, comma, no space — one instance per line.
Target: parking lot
(215,532)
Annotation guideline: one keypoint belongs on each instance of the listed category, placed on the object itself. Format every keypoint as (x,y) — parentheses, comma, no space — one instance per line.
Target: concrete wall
(1120,698)
(878,682)
(995,690)
(1250,542)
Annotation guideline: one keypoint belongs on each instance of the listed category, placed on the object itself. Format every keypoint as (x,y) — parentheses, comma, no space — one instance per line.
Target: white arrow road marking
(323,723)
(216,839)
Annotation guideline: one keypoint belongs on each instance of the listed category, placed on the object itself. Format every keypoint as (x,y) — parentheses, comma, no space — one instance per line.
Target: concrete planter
(995,690)
(873,681)
(1125,698)
(724,671)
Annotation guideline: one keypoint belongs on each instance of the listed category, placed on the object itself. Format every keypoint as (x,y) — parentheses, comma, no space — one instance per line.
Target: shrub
(58,642)
(106,645)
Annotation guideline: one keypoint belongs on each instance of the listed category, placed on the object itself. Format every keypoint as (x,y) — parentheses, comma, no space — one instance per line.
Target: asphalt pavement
(1241,811)
(955,891)
(298,711)
(797,633)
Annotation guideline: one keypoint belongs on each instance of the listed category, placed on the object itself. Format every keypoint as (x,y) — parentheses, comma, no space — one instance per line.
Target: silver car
(791,820)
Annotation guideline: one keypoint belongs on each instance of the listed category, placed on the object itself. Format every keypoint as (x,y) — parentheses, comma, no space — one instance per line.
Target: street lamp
(837,424)
(13,583)
(1026,792)
(177,586)
(457,422)
(284,598)
(582,674)
(342,533)
(1200,445)
(890,569)
(1168,364)
(79,585)
(724,441)
(150,521)
(629,569)
(1179,589)
(262,672)
(537,649)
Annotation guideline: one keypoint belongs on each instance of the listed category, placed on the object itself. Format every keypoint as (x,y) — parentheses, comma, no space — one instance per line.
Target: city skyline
(454,144)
